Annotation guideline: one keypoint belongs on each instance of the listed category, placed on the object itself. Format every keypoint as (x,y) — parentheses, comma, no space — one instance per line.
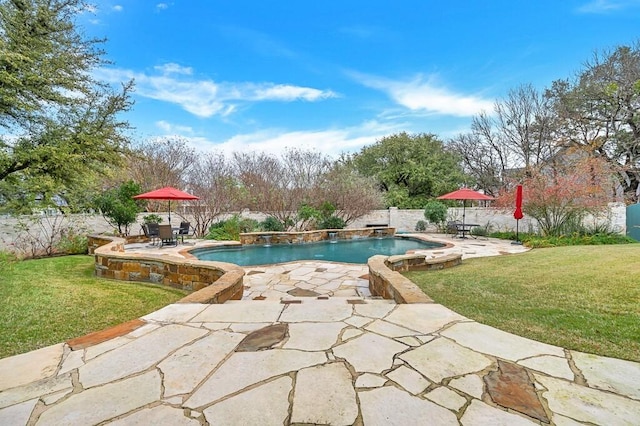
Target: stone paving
(327,358)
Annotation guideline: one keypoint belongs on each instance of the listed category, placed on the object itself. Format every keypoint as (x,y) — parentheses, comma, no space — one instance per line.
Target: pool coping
(184,270)
(209,281)
(444,245)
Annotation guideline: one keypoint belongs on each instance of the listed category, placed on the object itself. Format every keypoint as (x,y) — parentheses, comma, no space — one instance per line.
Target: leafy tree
(118,206)
(599,113)
(410,169)
(435,212)
(307,217)
(61,125)
(323,217)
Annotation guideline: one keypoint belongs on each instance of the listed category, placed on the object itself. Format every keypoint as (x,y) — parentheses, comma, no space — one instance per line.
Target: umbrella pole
(463,212)
(169,212)
(517,241)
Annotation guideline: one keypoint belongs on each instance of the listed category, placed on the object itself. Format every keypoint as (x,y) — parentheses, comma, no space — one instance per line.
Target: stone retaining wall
(211,282)
(386,281)
(313,236)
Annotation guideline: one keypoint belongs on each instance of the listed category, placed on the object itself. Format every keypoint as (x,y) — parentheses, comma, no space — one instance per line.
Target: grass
(48,301)
(585,298)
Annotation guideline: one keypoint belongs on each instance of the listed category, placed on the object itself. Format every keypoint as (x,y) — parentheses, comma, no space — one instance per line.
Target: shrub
(49,235)
(577,240)
(481,231)
(272,224)
(230,229)
(152,218)
(309,217)
(332,222)
(73,243)
(421,226)
(540,241)
(435,212)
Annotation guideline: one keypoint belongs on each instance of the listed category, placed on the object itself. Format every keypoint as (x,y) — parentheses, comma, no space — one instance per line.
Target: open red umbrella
(465,194)
(167,193)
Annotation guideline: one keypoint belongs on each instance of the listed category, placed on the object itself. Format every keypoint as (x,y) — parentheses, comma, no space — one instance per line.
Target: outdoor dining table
(465,228)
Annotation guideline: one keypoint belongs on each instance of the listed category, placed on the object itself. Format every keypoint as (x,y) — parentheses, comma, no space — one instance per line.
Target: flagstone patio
(310,346)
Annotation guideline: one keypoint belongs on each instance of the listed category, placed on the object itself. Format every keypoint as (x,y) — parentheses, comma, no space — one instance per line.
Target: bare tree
(158,163)
(480,160)
(352,194)
(211,178)
(279,186)
(163,162)
(525,121)
(259,176)
(518,136)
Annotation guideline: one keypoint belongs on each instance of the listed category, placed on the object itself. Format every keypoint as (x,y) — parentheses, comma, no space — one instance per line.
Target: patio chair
(185,228)
(453,227)
(152,231)
(167,236)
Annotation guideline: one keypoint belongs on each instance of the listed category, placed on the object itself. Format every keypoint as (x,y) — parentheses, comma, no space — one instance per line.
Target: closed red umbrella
(465,194)
(517,215)
(167,193)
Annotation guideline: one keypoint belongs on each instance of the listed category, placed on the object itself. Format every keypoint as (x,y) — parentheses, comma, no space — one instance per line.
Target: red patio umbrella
(517,215)
(167,193)
(465,194)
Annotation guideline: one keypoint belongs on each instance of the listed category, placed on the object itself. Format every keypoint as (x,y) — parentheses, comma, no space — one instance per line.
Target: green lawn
(585,298)
(47,301)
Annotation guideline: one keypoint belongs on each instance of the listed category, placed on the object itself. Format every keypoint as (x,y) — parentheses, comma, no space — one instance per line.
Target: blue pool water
(347,251)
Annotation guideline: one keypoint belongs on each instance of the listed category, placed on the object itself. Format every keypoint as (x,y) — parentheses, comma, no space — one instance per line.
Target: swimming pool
(347,251)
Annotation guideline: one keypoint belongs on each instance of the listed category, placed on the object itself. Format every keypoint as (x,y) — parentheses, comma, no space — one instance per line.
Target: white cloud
(606,6)
(167,127)
(420,94)
(162,6)
(332,142)
(173,68)
(117,8)
(285,92)
(206,98)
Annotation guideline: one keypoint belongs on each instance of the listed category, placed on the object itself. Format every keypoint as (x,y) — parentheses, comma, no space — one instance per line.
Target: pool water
(347,251)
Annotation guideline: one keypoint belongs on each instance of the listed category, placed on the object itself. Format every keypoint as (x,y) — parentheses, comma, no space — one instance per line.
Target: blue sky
(334,76)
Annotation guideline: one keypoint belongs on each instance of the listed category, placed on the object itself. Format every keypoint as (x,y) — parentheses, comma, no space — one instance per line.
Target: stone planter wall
(211,282)
(419,262)
(313,236)
(386,281)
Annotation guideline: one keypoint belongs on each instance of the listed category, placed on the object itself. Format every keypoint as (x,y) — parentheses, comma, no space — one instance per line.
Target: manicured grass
(48,301)
(585,298)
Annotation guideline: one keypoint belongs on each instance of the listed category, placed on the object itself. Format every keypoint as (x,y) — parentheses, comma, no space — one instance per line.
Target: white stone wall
(497,219)
(402,220)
